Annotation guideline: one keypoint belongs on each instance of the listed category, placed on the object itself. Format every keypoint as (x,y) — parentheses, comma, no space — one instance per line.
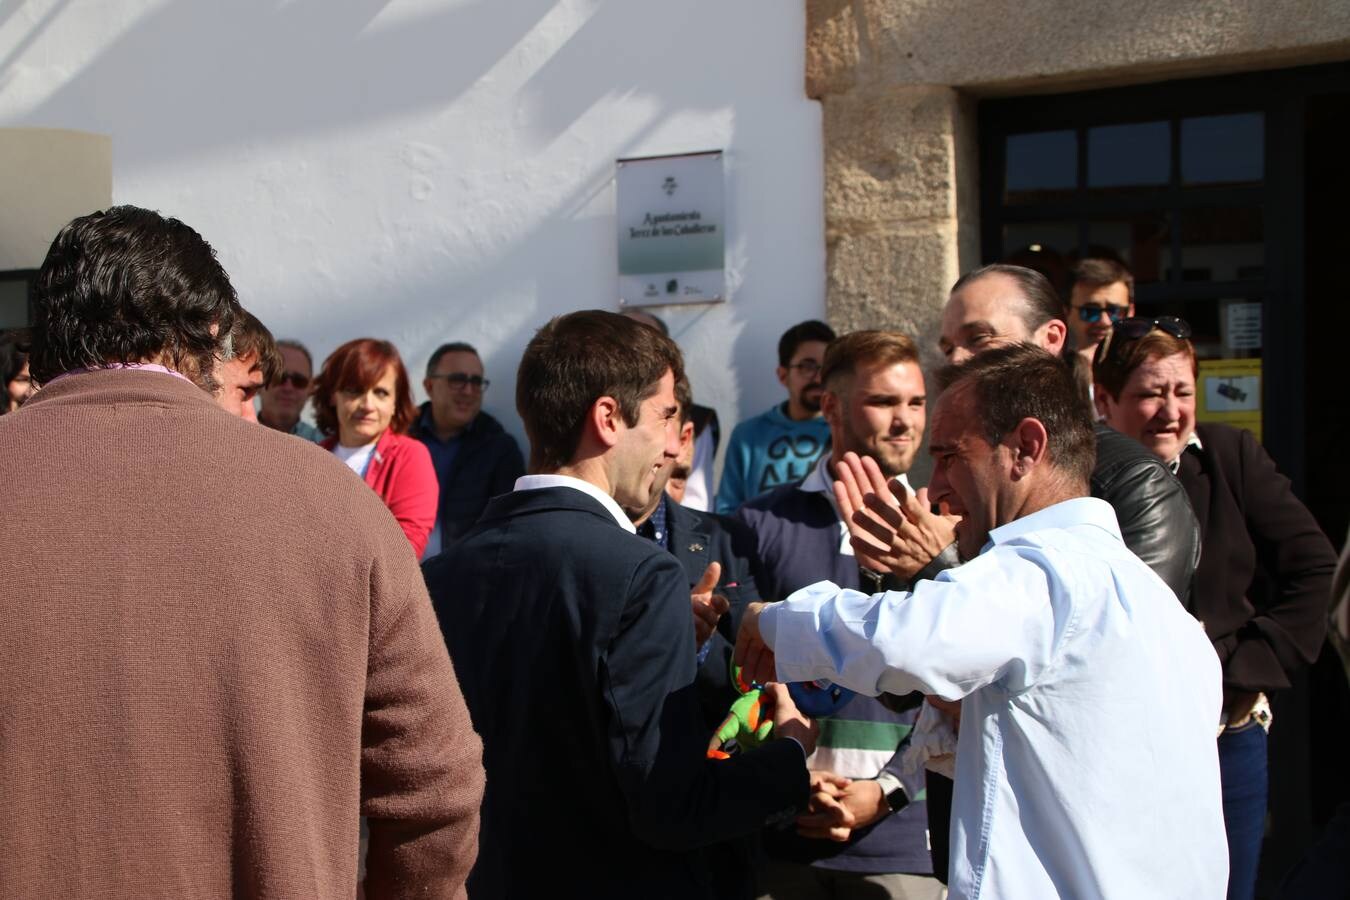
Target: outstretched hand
(788,721)
(754,656)
(889,533)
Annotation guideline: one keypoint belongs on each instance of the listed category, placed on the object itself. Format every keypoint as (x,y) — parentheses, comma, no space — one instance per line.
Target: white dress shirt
(698,487)
(534,482)
(1086,764)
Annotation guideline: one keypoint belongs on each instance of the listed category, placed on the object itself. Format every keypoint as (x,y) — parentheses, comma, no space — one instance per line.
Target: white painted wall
(429,170)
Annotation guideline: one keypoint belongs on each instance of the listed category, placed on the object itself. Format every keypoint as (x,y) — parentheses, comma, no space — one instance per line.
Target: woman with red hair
(363,404)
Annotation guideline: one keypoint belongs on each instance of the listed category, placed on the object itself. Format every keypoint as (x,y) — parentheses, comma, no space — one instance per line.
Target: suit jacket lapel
(688,543)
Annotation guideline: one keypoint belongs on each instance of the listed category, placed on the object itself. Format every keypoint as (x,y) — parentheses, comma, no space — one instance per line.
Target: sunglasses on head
(294,379)
(1135,327)
(1092,312)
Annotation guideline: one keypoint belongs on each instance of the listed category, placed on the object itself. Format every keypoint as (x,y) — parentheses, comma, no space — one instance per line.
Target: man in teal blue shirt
(781,445)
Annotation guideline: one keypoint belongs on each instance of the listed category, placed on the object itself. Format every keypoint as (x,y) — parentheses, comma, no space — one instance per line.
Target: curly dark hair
(126,285)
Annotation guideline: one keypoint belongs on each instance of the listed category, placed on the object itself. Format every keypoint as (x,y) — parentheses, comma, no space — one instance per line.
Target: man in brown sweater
(218,649)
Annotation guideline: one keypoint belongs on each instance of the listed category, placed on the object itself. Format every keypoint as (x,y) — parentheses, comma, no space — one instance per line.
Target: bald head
(1000,305)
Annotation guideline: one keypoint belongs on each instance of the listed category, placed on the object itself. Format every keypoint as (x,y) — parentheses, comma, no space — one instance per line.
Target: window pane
(1046,247)
(1040,166)
(1143,242)
(1223,149)
(1222,245)
(1129,155)
(1204,317)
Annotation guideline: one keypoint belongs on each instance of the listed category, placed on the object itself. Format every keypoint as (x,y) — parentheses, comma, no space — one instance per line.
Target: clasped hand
(839,806)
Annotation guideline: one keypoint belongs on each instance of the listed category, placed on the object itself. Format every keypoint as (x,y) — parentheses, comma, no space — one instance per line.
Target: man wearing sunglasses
(1102,294)
(475,458)
(284,398)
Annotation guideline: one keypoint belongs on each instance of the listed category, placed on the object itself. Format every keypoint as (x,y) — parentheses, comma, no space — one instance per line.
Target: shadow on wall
(191,77)
(188,80)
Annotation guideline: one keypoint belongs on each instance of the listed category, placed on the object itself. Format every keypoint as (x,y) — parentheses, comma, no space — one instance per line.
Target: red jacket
(401,472)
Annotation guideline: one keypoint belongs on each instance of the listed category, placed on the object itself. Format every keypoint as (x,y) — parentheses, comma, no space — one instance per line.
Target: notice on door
(1230,391)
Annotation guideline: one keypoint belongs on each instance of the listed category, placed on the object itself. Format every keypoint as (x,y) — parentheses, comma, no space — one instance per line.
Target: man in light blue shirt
(1086,765)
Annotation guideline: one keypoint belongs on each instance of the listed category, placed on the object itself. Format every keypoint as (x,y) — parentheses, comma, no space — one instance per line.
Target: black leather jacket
(1155,515)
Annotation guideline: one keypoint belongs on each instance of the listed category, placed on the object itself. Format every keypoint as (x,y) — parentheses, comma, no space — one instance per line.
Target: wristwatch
(894,792)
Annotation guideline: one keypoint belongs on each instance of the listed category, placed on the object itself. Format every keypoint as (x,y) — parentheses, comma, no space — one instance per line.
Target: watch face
(897,799)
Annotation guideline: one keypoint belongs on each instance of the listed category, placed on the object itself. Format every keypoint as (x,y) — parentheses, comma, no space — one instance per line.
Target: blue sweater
(798,538)
(768,451)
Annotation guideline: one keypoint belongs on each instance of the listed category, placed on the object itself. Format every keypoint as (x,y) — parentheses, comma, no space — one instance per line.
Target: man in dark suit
(717,554)
(574,644)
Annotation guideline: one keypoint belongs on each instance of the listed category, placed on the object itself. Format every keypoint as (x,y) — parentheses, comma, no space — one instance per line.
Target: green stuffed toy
(745,727)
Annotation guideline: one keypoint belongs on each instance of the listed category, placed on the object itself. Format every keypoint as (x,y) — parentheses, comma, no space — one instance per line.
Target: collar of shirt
(1066,513)
(1192,441)
(427,422)
(535,482)
(820,482)
(141,367)
(656,522)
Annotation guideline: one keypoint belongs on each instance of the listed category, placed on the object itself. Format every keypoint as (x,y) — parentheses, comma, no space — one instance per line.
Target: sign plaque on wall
(671,229)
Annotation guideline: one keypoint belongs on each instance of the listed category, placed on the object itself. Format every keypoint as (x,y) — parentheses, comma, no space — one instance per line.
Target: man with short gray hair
(284,397)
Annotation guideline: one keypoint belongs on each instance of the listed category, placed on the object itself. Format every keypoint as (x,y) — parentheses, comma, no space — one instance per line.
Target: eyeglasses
(294,379)
(459,380)
(808,367)
(1092,312)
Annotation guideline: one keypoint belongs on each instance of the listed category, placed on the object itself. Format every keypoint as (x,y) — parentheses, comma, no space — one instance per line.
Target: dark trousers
(1242,771)
(1324,873)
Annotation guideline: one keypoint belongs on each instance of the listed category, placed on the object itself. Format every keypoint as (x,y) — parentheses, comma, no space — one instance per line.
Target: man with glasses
(780,445)
(1102,293)
(475,458)
(284,399)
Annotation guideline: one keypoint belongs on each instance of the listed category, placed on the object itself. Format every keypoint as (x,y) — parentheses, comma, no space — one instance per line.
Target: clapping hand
(899,535)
